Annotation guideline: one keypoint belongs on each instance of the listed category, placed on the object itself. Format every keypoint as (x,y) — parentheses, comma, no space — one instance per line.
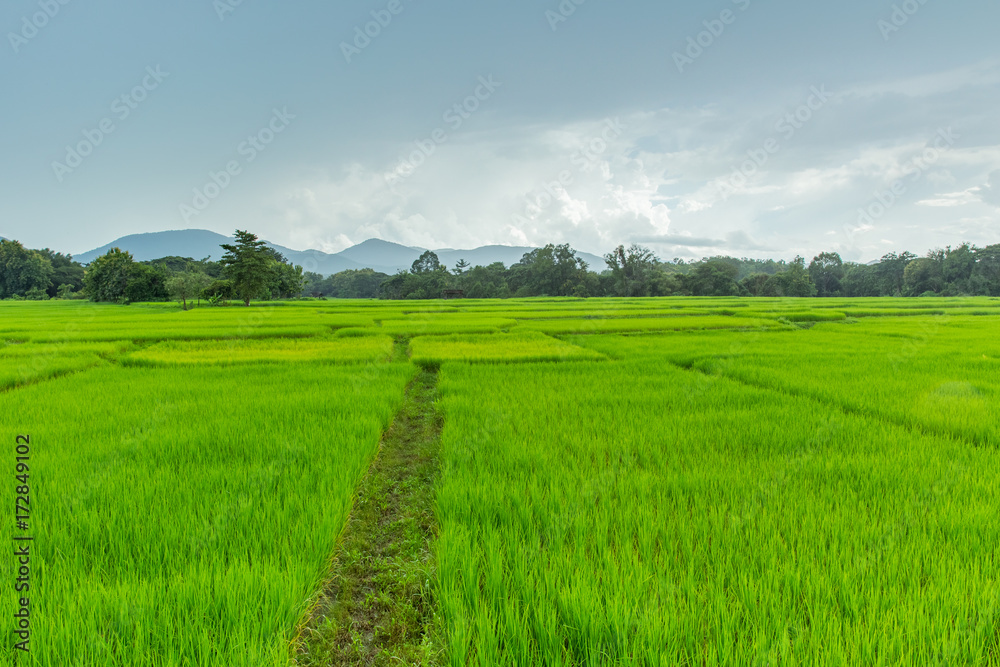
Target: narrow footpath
(378,605)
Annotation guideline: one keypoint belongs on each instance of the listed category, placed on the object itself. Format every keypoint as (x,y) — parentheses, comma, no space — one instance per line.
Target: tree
(921,276)
(218,291)
(711,277)
(312,284)
(36,294)
(636,271)
(792,282)
(22,270)
(249,265)
(957,266)
(554,270)
(146,283)
(986,276)
(460,267)
(426,263)
(860,280)
(755,283)
(889,272)
(487,282)
(426,279)
(354,284)
(187,286)
(65,271)
(107,277)
(288,281)
(827,271)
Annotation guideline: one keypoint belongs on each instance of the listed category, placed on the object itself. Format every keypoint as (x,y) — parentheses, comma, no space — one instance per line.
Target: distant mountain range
(372,254)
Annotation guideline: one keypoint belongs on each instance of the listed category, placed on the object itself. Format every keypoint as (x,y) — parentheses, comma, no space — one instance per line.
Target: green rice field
(657,481)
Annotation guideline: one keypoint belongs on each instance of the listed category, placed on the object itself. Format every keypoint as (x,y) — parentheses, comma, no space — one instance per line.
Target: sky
(753,128)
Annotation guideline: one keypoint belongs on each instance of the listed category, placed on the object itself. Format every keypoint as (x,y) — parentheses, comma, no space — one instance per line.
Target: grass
(696,482)
(185,515)
(25,363)
(250,351)
(656,516)
(646,324)
(378,605)
(497,348)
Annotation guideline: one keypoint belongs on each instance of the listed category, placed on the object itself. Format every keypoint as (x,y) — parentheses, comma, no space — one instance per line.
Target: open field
(612,481)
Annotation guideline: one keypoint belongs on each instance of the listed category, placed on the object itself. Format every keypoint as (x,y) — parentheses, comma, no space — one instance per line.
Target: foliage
(827,271)
(713,277)
(636,272)
(65,272)
(793,282)
(23,270)
(554,270)
(249,265)
(254,270)
(187,286)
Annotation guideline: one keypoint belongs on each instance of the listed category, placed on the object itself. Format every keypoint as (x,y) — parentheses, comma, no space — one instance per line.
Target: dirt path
(378,606)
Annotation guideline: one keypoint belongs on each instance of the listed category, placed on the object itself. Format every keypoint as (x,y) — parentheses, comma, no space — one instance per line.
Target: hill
(376,254)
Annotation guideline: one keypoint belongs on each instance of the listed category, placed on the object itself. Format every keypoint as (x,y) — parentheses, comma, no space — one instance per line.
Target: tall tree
(66,271)
(827,271)
(860,280)
(890,271)
(711,277)
(288,281)
(636,271)
(554,270)
(107,277)
(986,276)
(250,265)
(921,276)
(957,267)
(792,282)
(426,263)
(22,270)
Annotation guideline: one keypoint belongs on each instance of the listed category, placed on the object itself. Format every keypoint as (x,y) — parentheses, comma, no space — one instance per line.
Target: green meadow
(655,481)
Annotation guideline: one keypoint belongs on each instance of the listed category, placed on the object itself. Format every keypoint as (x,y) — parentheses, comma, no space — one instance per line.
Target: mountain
(374,254)
(507,254)
(193,243)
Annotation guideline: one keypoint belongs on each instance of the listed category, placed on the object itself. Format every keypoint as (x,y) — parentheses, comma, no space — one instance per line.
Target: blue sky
(746,127)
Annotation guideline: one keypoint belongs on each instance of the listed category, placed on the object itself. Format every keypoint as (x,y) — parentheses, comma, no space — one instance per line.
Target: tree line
(250,270)
(636,271)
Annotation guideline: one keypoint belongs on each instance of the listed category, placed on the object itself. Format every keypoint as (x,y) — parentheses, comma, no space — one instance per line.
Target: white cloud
(990,192)
(661,179)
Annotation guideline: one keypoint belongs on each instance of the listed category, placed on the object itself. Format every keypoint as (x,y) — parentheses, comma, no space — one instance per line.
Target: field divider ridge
(842,406)
(378,603)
